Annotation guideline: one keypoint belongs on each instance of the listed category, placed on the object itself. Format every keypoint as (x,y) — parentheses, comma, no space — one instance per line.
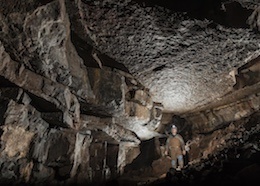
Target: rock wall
(70,114)
(182,50)
(48,138)
(212,119)
(226,123)
(64,119)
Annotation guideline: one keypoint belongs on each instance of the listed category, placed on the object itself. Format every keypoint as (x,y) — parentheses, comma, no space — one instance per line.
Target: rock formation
(88,88)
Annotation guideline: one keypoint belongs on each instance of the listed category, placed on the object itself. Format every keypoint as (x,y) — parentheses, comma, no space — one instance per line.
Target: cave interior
(89,90)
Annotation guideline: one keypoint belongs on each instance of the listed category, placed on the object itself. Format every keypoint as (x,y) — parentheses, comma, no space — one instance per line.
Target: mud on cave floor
(238,163)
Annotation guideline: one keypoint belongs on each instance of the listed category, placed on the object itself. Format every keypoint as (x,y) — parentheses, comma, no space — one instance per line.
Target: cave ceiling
(182,51)
(132,60)
(90,88)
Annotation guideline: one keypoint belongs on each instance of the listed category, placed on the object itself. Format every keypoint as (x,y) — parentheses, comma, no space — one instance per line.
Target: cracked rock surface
(185,62)
(89,89)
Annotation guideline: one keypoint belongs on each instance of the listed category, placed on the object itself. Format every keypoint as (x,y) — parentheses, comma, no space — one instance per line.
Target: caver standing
(175,148)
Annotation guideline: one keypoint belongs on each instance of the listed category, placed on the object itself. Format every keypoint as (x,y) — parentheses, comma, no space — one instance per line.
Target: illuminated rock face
(85,85)
(62,117)
(184,62)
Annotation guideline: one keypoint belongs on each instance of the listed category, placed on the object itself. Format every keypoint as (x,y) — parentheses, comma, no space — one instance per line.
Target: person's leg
(174,163)
(180,161)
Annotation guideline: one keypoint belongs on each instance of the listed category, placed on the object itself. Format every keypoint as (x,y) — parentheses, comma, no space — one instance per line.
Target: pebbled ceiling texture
(89,89)
(184,52)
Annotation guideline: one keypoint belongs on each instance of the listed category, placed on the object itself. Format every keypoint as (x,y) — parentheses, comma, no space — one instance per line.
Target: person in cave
(175,148)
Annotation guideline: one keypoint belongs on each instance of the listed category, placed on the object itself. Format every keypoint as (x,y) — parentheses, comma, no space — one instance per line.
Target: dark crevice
(147,155)
(59,175)
(84,50)
(93,110)
(235,15)
(229,14)
(54,119)
(41,104)
(159,68)
(6,83)
(3,108)
(44,2)
(180,5)
(130,95)
(5,96)
(248,74)
(92,57)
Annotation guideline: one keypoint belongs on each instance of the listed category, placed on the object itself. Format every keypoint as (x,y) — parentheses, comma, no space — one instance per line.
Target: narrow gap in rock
(92,57)
(6,83)
(41,104)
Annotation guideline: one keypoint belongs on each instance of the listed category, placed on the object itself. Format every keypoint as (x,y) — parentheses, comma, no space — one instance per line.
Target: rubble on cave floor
(234,171)
(237,161)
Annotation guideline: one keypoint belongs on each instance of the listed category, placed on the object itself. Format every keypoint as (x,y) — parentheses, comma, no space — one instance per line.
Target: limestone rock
(16,141)
(183,58)
(85,86)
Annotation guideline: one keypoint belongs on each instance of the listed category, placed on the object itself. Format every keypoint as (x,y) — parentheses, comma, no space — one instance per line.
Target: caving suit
(175,146)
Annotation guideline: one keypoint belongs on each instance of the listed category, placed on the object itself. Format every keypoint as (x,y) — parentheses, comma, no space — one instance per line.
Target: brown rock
(16,141)
(142,112)
(161,166)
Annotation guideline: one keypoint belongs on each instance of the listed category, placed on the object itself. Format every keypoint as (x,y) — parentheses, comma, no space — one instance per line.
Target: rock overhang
(94,93)
(184,61)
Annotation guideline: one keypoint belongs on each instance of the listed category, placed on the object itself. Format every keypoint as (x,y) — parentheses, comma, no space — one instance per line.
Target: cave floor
(236,171)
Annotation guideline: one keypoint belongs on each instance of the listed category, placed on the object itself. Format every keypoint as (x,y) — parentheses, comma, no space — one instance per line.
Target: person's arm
(167,148)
